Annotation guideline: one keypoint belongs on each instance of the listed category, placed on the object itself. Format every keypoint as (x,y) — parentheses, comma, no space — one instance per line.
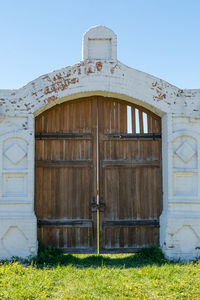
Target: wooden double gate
(98,182)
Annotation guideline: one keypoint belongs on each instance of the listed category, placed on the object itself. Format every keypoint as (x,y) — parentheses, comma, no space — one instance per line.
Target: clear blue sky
(155,36)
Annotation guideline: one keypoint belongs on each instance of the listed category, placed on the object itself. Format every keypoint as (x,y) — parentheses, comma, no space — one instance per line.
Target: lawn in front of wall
(144,275)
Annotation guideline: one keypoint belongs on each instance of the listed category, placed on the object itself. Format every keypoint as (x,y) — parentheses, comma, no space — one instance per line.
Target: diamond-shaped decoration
(185,152)
(15,153)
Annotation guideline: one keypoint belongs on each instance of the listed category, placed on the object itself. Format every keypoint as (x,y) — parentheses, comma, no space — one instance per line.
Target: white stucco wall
(105,75)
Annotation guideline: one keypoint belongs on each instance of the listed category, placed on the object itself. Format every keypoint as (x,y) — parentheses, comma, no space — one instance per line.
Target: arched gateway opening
(98,178)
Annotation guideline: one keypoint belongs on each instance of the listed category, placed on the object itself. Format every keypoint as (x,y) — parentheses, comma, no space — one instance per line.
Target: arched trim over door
(98,176)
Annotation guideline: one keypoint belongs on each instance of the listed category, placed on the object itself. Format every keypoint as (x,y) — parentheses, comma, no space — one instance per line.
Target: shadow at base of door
(52,257)
(103,251)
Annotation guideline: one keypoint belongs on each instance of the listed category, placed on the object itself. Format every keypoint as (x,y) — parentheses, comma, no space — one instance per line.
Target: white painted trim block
(99,42)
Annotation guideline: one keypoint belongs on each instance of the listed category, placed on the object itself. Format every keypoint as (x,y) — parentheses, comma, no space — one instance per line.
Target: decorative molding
(15,153)
(185,152)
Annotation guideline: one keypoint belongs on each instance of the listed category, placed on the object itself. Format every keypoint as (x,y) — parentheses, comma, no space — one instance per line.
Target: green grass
(144,275)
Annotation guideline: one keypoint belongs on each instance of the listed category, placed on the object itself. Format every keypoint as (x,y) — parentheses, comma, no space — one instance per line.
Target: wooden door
(93,142)
(130,176)
(65,175)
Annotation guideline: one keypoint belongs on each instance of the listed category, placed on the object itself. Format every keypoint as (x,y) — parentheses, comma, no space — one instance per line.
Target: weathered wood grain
(66,171)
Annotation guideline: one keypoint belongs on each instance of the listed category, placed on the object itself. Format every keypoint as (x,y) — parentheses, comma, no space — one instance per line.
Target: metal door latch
(101,204)
(94,206)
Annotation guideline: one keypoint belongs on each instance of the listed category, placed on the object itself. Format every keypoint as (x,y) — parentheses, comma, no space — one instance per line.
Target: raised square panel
(185,184)
(99,48)
(185,152)
(15,154)
(15,241)
(14,184)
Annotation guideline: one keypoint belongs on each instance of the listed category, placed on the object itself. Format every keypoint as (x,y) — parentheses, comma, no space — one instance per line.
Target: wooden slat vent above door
(140,121)
(121,117)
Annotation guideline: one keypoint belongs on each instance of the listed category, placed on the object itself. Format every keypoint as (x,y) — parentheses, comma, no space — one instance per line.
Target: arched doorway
(98,178)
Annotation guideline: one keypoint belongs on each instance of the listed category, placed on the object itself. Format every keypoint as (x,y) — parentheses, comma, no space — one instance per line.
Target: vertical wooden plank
(38,124)
(44,122)
(49,120)
(141,121)
(81,116)
(138,184)
(115,127)
(123,118)
(77,121)
(56,119)
(79,190)
(70,117)
(112,117)
(53,122)
(73,106)
(156,125)
(105,123)
(66,117)
(133,120)
(149,123)
(61,118)
(88,115)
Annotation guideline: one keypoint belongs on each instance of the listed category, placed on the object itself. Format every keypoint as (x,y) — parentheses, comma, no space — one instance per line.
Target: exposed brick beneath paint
(103,75)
